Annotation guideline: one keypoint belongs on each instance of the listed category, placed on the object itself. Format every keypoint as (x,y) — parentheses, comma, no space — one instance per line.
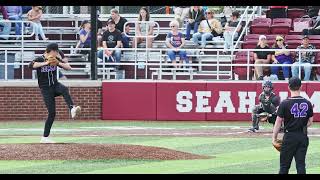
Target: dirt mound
(74,151)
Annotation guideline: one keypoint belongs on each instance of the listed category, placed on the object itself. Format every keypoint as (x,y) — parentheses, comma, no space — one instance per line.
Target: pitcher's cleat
(46,140)
(75,111)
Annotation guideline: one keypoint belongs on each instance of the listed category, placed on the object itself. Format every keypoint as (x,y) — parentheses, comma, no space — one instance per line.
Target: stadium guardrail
(157,59)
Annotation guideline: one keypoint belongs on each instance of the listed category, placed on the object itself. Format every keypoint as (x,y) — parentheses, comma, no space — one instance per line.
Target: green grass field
(237,155)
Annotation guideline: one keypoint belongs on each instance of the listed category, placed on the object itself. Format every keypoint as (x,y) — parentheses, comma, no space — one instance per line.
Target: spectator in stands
(34,15)
(143,29)
(26,9)
(111,39)
(227,12)
(85,34)
(281,56)
(175,41)
(15,13)
(313,11)
(196,15)
(208,29)
(261,57)
(307,58)
(5,25)
(204,9)
(181,13)
(278,12)
(315,30)
(229,29)
(99,31)
(120,22)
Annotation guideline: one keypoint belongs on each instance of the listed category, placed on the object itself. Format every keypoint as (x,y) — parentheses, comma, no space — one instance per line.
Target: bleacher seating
(63,29)
(261,26)
(281,26)
(296,13)
(241,57)
(317,61)
(310,20)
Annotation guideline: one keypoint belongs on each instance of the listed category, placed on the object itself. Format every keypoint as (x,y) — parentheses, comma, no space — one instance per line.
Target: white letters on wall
(184,101)
(244,101)
(315,100)
(203,101)
(224,101)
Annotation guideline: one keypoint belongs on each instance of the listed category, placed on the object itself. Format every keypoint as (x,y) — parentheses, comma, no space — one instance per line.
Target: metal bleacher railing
(222,66)
(21,37)
(216,67)
(248,18)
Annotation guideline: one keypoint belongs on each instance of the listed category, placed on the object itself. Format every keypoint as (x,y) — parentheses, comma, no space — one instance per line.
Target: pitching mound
(73,151)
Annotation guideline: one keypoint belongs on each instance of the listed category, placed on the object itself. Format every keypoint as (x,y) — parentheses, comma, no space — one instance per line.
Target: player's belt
(296,130)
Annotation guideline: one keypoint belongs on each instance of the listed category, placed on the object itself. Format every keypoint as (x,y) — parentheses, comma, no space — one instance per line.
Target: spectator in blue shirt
(175,41)
(85,37)
(15,13)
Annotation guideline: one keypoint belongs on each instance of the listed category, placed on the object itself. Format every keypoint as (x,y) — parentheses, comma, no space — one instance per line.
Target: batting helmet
(268,84)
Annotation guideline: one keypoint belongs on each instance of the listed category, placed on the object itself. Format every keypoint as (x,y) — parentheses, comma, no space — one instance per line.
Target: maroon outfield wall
(211,101)
(150,100)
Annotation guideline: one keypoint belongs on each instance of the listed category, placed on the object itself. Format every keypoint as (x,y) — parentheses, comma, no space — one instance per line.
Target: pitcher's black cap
(52,47)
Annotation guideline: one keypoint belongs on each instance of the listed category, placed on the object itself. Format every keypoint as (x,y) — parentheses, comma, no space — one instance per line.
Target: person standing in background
(181,13)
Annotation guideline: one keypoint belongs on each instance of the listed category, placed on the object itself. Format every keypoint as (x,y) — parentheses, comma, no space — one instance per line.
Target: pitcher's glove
(53,61)
(277,144)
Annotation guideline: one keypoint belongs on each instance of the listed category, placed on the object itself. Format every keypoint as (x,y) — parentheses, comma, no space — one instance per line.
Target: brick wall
(25,103)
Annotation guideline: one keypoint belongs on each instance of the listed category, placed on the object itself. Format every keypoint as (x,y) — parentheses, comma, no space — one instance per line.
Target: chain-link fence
(122,9)
(135,9)
(102,9)
(66,9)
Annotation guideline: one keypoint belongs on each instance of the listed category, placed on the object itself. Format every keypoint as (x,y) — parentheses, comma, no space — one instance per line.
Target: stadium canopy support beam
(93,52)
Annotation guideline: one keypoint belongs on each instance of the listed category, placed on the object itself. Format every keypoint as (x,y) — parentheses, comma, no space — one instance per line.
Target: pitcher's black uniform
(50,87)
(296,112)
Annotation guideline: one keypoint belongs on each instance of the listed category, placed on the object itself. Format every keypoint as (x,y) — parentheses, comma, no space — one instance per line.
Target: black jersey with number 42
(296,112)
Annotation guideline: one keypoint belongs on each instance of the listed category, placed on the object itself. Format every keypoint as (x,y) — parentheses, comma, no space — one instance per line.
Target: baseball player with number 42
(46,66)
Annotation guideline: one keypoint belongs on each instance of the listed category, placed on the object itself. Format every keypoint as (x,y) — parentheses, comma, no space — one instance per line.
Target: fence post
(65,10)
(93,53)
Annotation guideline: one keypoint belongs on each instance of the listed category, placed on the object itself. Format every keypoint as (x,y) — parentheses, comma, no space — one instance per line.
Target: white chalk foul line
(83,128)
(38,129)
(126,127)
(233,133)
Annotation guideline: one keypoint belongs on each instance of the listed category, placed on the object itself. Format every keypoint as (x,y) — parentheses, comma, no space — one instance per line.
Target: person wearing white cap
(261,57)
